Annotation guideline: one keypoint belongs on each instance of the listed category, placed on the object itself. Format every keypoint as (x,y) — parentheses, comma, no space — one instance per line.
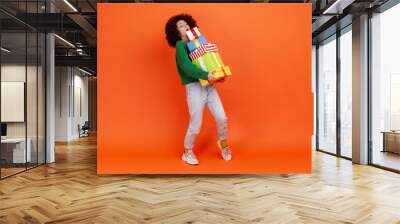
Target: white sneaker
(225,152)
(190,158)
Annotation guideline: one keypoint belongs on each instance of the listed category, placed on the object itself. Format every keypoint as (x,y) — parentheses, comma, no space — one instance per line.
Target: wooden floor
(387,159)
(69,191)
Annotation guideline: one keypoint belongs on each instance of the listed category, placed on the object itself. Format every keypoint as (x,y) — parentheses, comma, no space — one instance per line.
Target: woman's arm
(186,64)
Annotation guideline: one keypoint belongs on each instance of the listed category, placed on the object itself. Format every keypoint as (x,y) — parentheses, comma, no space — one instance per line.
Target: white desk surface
(13,140)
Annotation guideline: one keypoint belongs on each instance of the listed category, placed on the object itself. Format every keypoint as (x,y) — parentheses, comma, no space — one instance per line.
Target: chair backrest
(86,124)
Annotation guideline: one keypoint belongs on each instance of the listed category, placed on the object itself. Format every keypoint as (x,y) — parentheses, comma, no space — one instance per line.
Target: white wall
(61,103)
(81,84)
(71,93)
(16,72)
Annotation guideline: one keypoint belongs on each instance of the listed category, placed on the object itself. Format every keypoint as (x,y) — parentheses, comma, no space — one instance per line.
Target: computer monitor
(3,129)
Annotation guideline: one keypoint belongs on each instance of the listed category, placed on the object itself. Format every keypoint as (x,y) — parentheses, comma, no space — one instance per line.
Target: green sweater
(188,71)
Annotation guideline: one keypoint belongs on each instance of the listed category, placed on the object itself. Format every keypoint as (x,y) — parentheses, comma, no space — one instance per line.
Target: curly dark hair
(171,31)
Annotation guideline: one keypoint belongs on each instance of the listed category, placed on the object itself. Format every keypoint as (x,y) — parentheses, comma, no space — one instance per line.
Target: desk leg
(384,142)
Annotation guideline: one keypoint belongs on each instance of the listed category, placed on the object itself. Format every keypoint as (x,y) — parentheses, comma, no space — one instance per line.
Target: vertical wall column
(314,92)
(50,100)
(50,92)
(92,98)
(360,90)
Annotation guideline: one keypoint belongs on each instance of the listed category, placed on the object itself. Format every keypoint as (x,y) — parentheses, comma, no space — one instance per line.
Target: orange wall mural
(142,110)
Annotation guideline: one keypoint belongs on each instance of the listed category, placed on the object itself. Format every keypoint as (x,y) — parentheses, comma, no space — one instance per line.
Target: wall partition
(22,88)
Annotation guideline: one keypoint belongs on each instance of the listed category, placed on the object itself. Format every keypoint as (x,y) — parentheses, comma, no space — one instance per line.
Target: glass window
(327,95)
(385,88)
(346,92)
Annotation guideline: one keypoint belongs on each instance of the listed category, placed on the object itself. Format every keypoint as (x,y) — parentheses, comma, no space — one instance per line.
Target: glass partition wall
(385,89)
(327,95)
(334,93)
(345,92)
(22,88)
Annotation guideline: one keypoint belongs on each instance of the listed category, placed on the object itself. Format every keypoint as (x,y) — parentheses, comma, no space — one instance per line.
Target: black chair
(84,130)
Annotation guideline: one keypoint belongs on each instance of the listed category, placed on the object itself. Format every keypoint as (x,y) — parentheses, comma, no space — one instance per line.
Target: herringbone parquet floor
(69,191)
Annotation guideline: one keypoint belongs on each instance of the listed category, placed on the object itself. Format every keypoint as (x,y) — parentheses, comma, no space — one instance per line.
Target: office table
(391,141)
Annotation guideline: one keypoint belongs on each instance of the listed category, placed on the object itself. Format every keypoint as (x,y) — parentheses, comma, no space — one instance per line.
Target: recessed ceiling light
(338,6)
(64,40)
(84,71)
(5,50)
(70,5)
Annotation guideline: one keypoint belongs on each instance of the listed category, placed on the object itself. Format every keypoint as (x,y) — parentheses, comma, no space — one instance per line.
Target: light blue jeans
(197,97)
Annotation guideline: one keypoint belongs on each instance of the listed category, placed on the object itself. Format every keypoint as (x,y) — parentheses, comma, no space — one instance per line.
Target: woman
(196,95)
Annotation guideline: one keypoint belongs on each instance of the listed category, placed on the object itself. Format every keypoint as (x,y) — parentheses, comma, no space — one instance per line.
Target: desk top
(13,140)
(390,132)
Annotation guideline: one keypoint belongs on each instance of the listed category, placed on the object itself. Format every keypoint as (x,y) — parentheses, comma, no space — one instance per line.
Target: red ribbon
(194,33)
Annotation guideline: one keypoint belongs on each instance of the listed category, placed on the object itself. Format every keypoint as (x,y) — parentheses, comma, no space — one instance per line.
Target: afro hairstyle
(171,31)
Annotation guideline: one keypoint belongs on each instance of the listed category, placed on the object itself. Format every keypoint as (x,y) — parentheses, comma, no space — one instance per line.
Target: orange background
(142,111)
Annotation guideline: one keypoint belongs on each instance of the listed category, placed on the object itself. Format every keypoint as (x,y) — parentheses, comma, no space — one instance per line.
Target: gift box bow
(193,33)
(202,50)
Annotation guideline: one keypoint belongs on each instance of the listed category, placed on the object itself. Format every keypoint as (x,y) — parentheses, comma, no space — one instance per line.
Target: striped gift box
(202,50)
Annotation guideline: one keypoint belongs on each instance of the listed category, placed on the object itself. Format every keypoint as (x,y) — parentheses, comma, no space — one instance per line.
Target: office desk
(391,141)
(13,150)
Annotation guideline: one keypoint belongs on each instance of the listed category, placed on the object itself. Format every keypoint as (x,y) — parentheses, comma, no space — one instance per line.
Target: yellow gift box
(218,73)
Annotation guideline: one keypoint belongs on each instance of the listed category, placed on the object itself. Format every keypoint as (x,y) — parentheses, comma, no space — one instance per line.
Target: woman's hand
(211,78)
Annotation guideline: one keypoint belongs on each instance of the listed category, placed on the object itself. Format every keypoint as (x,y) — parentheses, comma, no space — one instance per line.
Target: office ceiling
(76,21)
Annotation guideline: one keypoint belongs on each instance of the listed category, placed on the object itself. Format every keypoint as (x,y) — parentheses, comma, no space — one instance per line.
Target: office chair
(84,130)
